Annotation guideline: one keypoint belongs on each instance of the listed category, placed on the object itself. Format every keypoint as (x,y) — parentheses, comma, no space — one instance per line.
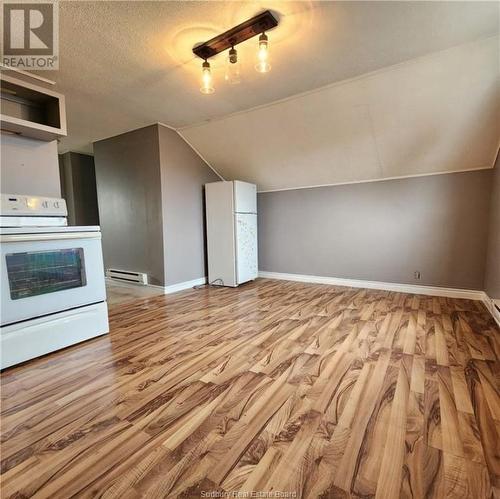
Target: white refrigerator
(231,212)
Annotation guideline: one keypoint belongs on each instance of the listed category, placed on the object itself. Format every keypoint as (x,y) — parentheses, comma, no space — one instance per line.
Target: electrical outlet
(416,275)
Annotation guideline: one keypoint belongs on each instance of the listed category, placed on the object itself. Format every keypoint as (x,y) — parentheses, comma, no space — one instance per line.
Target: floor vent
(127,276)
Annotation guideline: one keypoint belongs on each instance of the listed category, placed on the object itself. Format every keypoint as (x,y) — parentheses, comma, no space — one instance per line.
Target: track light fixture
(207,86)
(233,73)
(263,65)
(257,25)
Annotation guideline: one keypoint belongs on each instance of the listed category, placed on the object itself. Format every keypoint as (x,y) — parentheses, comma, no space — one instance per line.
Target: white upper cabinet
(31,110)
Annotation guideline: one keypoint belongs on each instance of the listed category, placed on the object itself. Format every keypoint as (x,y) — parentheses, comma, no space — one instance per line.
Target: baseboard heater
(127,276)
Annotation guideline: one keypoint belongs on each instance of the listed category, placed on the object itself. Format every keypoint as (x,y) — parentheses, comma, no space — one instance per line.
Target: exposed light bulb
(263,65)
(207,86)
(233,71)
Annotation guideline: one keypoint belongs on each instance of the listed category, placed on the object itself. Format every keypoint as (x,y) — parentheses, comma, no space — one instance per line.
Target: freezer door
(245,197)
(246,247)
(220,234)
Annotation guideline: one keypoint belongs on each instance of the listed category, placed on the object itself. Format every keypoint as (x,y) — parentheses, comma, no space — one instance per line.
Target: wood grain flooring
(297,390)
(118,293)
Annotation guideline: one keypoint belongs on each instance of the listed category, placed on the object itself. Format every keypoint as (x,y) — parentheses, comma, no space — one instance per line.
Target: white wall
(29,167)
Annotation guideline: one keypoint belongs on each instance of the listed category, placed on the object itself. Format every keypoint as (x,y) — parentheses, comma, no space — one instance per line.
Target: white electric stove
(52,279)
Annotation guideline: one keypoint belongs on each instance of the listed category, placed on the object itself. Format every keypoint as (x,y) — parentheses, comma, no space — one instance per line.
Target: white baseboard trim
(469,294)
(117,282)
(181,286)
(489,303)
(172,288)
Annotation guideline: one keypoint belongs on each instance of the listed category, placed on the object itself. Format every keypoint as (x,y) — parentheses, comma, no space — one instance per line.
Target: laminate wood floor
(117,292)
(296,389)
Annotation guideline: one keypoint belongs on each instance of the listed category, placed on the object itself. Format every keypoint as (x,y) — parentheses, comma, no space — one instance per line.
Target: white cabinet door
(246,247)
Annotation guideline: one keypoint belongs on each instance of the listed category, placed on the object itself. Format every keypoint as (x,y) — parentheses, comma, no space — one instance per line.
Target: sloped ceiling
(124,65)
(438,113)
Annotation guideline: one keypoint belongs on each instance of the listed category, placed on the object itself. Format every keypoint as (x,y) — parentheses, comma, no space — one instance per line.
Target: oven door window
(41,272)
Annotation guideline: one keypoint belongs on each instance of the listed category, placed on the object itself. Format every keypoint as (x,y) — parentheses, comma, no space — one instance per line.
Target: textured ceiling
(128,64)
(438,113)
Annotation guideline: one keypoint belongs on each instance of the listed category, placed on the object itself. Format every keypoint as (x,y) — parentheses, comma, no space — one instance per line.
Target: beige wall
(183,174)
(381,231)
(29,166)
(492,275)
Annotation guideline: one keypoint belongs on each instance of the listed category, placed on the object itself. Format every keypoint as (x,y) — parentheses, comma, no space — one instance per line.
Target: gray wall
(381,231)
(150,196)
(29,166)
(130,205)
(492,275)
(78,188)
(183,174)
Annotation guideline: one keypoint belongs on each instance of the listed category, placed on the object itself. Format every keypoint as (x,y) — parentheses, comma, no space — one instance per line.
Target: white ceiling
(128,64)
(435,114)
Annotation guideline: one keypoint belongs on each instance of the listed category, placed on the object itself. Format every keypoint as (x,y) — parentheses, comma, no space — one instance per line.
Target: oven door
(47,273)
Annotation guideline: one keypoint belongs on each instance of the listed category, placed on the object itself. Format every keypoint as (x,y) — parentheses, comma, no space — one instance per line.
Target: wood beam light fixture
(257,25)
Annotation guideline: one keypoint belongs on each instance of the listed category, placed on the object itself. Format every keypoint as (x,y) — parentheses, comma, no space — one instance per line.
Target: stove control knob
(56,204)
(45,204)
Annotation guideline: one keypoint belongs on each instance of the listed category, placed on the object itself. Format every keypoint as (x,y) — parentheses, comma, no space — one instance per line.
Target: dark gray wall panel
(78,188)
(130,205)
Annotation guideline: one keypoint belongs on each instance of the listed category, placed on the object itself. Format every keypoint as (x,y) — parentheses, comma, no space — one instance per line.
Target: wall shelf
(31,110)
